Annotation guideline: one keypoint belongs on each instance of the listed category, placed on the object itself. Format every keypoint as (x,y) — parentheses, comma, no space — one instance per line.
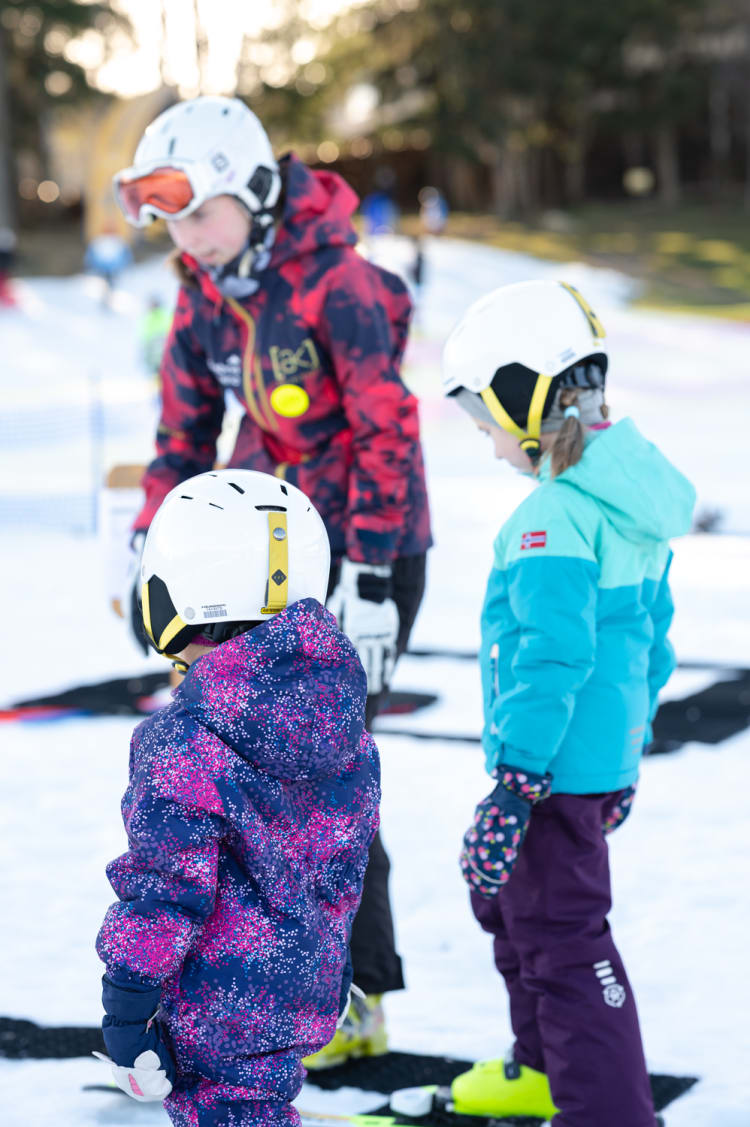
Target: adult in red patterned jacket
(277,306)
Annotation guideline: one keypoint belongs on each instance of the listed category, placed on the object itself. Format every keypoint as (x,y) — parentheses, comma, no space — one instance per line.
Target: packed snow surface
(76,401)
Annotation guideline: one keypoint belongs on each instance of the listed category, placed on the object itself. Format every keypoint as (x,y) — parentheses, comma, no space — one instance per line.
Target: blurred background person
(433,210)
(153,331)
(107,255)
(8,243)
(379,209)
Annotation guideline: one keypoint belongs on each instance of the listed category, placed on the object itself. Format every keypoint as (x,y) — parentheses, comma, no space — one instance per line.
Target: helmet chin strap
(241,277)
(529,438)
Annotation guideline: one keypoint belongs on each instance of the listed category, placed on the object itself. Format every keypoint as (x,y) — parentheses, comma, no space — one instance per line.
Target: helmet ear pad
(162,612)
(514,384)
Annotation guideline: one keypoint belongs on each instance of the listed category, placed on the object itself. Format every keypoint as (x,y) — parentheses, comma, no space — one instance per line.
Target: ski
(321,1119)
(433,1104)
(331,1119)
(442,1119)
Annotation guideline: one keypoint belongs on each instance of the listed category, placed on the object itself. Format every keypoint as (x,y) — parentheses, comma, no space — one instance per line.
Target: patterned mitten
(616,814)
(492,842)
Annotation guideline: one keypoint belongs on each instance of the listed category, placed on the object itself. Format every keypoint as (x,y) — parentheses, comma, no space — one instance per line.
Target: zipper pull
(495,668)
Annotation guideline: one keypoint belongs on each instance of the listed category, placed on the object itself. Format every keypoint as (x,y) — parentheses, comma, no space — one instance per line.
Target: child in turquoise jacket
(574,652)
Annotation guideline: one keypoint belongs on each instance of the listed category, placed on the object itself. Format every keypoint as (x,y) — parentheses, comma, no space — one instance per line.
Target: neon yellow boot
(362,1034)
(502,1087)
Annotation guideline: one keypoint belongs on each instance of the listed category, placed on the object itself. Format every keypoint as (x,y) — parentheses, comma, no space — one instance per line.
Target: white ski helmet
(514,348)
(229,547)
(210,146)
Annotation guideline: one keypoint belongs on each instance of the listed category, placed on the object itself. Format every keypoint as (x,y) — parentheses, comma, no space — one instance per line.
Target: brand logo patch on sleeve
(533,540)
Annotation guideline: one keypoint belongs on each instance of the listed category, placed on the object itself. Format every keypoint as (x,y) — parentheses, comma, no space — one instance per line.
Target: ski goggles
(162,193)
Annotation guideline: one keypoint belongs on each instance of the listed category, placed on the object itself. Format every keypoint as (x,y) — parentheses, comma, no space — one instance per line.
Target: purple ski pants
(572,1008)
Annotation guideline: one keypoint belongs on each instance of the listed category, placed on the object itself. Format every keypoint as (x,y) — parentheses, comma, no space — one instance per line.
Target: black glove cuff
(374,588)
(131,1003)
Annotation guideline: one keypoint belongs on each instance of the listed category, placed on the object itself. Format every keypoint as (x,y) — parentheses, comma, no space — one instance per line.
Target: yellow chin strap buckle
(529,438)
(277,588)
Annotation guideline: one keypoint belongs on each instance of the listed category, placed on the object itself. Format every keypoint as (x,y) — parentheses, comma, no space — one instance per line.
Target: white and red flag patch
(533,540)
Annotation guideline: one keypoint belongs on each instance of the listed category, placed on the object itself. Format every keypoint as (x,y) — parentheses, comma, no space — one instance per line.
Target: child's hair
(567,448)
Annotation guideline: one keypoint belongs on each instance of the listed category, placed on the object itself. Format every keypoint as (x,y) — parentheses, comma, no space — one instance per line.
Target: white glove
(132,606)
(118,509)
(367,614)
(145,1080)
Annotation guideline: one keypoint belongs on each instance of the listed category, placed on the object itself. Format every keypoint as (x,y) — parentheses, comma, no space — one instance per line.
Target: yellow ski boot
(502,1087)
(361,1034)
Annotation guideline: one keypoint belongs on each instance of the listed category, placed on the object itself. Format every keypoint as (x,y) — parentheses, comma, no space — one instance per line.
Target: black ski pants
(376,963)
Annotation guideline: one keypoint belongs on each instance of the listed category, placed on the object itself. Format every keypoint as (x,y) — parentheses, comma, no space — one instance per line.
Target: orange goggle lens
(165,189)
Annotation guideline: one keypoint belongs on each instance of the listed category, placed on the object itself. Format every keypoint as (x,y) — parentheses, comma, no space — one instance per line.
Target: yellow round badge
(289,400)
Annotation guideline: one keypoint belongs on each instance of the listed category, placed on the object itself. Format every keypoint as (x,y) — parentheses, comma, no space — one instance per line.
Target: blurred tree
(48,51)
(282,75)
(514,87)
(518,87)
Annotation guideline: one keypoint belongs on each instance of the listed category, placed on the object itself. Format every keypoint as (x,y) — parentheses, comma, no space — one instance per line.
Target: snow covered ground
(681,862)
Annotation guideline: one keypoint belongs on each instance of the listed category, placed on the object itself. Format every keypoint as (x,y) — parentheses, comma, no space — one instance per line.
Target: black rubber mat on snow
(410,1070)
(25,1040)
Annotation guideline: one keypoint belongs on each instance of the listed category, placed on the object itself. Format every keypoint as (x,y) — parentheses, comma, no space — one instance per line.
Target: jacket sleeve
(553,601)
(191,414)
(166,882)
(363,326)
(661,660)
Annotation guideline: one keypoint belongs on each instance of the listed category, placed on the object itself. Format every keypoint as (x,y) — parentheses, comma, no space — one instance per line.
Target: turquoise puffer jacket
(574,624)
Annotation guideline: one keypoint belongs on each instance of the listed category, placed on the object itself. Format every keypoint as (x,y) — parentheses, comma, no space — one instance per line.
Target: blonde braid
(567,449)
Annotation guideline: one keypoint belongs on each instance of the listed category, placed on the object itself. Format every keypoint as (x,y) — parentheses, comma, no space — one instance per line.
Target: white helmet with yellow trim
(229,547)
(515,348)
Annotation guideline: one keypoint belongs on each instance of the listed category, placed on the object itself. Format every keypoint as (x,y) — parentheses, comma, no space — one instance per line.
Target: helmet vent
(233,485)
(171,148)
(184,497)
(270,508)
(214,506)
(285,491)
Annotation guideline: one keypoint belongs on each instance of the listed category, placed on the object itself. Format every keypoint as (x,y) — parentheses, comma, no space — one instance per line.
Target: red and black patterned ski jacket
(313,356)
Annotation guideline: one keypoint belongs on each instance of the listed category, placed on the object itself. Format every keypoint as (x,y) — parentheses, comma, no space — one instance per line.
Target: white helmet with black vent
(516,347)
(209,146)
(229,547)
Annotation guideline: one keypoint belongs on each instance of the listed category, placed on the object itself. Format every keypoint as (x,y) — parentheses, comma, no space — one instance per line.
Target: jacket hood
(318,209)
(642,494)
(288,696)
